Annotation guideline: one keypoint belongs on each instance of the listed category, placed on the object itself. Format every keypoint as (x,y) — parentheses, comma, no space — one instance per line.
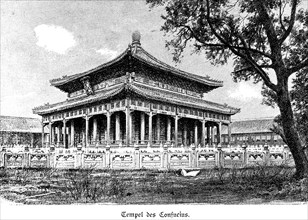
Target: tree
(267,40)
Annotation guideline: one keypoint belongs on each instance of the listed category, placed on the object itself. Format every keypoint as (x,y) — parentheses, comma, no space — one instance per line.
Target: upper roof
(141,90)
(135,50)
(20,124)
(250,126)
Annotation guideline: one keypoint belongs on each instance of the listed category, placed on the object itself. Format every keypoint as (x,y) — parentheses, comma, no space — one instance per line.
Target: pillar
(168,129)
(219,132)
(64,133)
(196,133)
(176,130)
(32,140)
(51,133)
(212,135)
(128,126)
(208,134)
(43,135)
(87,131)
(158,128)
(185,134)
(94,130)
(107,138)
(229,133)
(59,134)
(72,133)
(150,128)
(117,126)
(142,127)
(203,133)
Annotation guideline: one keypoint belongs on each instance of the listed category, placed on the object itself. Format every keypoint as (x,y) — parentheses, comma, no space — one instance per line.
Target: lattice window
(118,104)
(84,111)
(161,107)
(140,103)
(123,103)
(172,108)
(95,109)
(67,114)
(90,110)
(100,108)
(154,106)
(112,105)
(186,111)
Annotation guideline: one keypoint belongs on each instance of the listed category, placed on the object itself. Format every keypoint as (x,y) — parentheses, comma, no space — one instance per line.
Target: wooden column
(176,130)
(150,128)
(196,133)
(94,135)
(212,135)
(185,134)
(72,142)
(59,134)
(158,128)
(64,133)
(32,140)
(107,137)
(142,127)
(50,140)
(168,129)
(87,131)
(117,126)
(208,134)
(128,126)
(229,133)
(43,134)
(203,133)
(219,132)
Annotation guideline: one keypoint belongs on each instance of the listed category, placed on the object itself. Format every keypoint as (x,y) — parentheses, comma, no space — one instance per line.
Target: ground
(258,185)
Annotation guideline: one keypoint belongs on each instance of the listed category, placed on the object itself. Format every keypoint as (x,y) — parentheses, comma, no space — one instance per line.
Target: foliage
(267,40)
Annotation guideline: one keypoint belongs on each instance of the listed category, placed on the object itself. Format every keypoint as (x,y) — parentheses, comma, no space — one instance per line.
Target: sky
(43,40)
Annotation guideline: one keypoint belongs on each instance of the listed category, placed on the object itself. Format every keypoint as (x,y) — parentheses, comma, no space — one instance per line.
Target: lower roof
(141,90)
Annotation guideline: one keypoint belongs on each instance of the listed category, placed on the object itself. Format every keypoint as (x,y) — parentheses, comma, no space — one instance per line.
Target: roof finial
(136,36)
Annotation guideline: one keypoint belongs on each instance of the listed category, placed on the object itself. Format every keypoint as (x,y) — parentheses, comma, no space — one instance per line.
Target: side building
(135,100)
(19,132)
(252,132)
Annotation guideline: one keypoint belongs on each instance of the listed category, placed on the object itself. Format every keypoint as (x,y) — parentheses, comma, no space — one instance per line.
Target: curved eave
(63,80)
(187,101)
(83,101)
(165,67)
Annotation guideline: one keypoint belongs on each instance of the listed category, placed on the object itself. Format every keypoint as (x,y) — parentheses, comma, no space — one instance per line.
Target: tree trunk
(292,137)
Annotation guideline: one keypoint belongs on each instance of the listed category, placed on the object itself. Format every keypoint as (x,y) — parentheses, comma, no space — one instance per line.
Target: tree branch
(280,16)
(297,67)
(291,24)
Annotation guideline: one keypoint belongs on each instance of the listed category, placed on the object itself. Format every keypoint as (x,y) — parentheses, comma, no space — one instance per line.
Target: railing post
(219,157)
(79,159)
(193,156)
(165,157)
(286,154)
(137,156)
(266,154)
(108,165)
(245,156)
(26,158)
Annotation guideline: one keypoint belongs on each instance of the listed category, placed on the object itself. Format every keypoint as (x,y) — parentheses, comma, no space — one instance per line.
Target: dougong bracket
(87,85)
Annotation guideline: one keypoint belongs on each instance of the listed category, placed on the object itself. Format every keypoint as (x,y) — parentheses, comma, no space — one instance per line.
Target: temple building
(21,131)
(135,100)
(252,132)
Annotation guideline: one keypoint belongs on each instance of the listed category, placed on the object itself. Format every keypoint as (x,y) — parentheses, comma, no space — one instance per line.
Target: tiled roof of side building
(250,126)
(20,124)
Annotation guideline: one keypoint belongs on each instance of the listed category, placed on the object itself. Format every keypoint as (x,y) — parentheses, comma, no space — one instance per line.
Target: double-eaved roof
(136,52)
